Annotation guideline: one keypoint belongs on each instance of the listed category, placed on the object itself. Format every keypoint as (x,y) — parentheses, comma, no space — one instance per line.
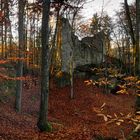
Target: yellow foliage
(17,58)
(131,78)
(89,82)
(138,87)
(59,74)
(138,82)
(123,91)
(3,61)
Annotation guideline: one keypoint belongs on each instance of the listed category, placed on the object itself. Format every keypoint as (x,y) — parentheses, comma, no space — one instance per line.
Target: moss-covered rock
(44,126)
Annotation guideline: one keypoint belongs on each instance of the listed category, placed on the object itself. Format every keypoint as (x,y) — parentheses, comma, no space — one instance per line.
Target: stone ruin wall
(89,50)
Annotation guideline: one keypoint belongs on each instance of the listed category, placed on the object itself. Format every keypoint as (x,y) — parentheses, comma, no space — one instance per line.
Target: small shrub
(62,79)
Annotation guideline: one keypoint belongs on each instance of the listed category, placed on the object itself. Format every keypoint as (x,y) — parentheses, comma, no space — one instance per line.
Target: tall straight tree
(129,21)
(131,32)
(43,114)
(137,35)
(21,5)
(2,28)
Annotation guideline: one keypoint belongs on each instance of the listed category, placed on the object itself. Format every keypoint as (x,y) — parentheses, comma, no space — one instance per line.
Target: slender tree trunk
(21,5)
(26,35)
(58,54)
(71,77)
(1,34)
(123,50)
(2,24)
(72,57)
(6,14)
(137,36)
(53,50)
(131,32)
(129,22)
(138,47)
(33,39)
(129,57)
(30,45)
(5,40)
(37,42)
(2,39)
(43,114)
(10,32)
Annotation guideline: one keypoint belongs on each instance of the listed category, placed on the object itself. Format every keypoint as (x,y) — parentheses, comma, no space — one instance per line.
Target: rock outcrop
(89,50)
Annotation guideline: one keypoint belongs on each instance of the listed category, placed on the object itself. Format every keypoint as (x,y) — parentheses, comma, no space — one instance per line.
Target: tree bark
(132,35)
(43,114)
(137,35)
(21,5)
(54,49)
(1,28)
(131,32)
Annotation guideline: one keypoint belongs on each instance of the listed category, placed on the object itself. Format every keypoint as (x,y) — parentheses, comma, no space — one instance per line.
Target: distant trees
(5,28)
(103,24)
(129,21)
(125,30)
(34,40)
(133,31)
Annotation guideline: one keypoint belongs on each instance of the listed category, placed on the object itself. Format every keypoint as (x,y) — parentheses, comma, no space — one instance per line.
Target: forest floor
(90,113)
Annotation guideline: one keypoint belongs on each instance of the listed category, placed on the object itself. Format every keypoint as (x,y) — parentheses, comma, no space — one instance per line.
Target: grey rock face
(90,50)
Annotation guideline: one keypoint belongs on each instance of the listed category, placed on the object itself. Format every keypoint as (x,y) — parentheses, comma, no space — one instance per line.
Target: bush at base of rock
(62,79)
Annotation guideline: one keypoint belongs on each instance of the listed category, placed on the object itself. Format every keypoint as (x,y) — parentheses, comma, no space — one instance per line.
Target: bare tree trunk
(10,32)
(34,37)
(137,35)
(72,56)
(129,58)
(54,49)
(127,44)
(26,35)
(131,32)
(21,5)
(129,22)
(71,76)
(138,47)
(2,49)
(6,7)
(38,41)
(5,40)
(43,114)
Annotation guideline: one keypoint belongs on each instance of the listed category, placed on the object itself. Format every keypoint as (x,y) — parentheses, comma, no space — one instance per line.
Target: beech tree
(132,34)
(19,69)
(137,35)
(43,124)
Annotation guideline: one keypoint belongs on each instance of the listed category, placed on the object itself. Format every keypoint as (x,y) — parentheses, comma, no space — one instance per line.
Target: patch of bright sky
(109,6)
(93,6)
